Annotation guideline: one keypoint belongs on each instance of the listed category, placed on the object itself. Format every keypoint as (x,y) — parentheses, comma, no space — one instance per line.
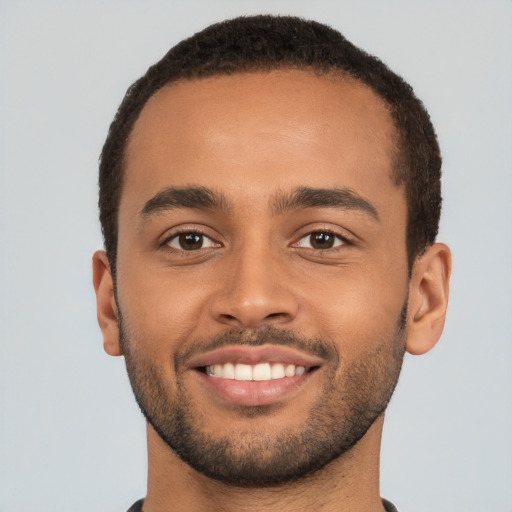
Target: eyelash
(194,231)
(339,240)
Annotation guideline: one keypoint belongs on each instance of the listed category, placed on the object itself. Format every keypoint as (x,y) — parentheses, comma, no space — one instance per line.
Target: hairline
(332,75)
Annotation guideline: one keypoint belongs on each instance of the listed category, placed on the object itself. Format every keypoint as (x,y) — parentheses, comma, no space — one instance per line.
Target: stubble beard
(253,458)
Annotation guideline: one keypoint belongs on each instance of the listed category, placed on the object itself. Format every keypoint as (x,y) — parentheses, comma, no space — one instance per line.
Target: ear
(105,303)
(428,298)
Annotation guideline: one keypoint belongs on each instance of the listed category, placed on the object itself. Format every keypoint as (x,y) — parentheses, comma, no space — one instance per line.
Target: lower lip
(249,392)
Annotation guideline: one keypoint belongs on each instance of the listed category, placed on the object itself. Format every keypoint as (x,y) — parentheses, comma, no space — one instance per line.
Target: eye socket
(321,240)
(190,241)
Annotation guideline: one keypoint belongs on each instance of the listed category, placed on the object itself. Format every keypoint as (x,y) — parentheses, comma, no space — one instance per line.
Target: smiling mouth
(256,372)
(254,375)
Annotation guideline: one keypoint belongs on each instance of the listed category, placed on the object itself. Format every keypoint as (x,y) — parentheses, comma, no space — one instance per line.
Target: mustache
(257,337)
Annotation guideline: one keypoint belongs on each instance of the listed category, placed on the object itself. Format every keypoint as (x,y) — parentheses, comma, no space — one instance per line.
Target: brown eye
(321,240)
(191,241)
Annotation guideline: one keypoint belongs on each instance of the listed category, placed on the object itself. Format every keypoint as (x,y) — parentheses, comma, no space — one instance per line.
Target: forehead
(266,130)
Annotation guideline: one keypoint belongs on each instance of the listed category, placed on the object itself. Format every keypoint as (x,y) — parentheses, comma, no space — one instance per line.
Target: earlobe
(428,298)
(105,303)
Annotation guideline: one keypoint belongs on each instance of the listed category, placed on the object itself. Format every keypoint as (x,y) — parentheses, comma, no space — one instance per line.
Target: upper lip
(247,354)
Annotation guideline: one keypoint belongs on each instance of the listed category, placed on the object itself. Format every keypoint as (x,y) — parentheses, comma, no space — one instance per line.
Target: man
(269,198)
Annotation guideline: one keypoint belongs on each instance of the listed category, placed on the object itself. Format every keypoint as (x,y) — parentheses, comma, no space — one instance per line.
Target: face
(262,271)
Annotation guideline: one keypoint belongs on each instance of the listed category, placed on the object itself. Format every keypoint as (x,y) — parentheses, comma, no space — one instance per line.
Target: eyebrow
(307,197)
(197,198)
(203,198)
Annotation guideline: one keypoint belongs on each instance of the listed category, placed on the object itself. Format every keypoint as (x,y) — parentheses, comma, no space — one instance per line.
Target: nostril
(278,315)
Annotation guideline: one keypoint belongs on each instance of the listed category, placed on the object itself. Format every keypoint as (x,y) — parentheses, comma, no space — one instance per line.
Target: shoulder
(388,506)
(136,507)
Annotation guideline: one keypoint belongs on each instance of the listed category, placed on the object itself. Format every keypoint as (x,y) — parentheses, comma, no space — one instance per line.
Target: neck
(349,483)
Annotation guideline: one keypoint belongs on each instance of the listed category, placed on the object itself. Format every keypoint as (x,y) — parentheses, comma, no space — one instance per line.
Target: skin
(252,138)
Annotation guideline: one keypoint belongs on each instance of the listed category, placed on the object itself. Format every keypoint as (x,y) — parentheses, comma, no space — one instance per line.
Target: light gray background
(71,436)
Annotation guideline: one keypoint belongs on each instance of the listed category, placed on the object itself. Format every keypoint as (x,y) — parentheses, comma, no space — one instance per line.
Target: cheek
(358,310)
(161,311)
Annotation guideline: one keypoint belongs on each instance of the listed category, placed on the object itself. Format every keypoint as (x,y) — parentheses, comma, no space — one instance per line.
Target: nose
(254,290)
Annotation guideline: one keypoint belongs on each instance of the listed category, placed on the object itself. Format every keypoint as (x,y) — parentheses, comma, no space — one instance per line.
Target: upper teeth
(260,371)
